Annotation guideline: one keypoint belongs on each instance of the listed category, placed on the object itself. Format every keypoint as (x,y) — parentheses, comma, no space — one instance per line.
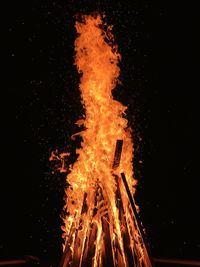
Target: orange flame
(91,198)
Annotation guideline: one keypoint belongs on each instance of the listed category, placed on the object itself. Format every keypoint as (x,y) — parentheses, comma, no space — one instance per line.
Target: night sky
(41,103)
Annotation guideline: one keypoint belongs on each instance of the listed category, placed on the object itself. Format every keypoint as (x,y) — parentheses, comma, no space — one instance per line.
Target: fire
(100,228)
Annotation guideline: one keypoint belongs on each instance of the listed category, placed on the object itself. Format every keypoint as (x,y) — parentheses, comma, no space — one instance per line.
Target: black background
(41,103)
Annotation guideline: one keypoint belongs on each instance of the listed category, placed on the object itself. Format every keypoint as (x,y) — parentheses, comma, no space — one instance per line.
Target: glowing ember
(100,227)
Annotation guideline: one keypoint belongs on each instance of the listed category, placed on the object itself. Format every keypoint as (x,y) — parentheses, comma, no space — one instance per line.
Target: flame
(97,208)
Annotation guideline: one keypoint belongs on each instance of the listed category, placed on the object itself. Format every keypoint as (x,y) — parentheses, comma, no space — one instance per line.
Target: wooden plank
(177,262)
(12,262)
(91,244)
(107,242)
(124,229)
(139,224)
(67,255)
(118,151)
